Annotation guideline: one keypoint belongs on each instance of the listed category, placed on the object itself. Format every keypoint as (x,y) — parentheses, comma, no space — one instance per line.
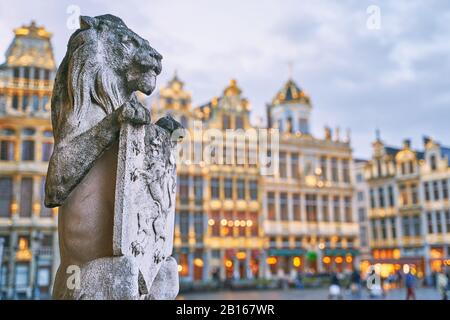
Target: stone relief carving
(112,172)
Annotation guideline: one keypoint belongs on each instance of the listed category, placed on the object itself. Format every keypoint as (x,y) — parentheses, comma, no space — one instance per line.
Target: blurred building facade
(28,228)
(409,208)
(232,221)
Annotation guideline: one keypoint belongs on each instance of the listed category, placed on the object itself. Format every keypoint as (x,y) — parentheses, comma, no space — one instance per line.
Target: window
(184,226)
(391,196)
(379,172)
(253,190)
(433,163)
(15,102)
(325,209)
(226,122)
(311,207)
(6,194)
(36,73)
(241,189)
(45,212)
(239,123)
(337,208)
(296,208)
(25,100)
(438,222)
(416,226)
(241,228)
(289,126)
(414,194)
(383,229)
(46,74)
(403,195)
(444,189)
(294,166)
(35,102)
(346,170)
(184,188)
(26,197)
(348,209)
(198,190)
(411,166)
(447,221)
(26,72)
(283,171)
(215,188)
(427,191)
(435,190)
(406,226)
(372,199)
(22,276)
(334,170)
(271,215)
(359,178)
(16,74)
(360,196)
(393,228)
(381,197)
(7,150)
(214,223)
(47,149)
(228,188)
(362,214)
(198,226)
(283,207)
(304,127)
(27,150)
(323,167)
(373,225)
(253,217)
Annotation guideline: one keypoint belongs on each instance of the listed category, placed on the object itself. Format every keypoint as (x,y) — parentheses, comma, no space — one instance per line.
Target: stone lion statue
(93,95)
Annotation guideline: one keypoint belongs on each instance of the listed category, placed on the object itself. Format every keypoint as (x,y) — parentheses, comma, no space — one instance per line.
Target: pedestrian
(410,284)
(441,284)
(355,286)
(335,287)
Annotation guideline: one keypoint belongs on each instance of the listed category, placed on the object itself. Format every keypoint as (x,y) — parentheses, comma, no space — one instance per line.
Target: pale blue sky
(395,78)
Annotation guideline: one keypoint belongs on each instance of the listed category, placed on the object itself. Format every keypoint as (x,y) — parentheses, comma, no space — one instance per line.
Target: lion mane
(84,79)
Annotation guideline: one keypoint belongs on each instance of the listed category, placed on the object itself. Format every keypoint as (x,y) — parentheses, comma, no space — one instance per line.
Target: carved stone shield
(145,199)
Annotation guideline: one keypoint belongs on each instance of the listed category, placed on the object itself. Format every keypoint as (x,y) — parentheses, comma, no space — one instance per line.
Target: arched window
(433,163)
(7,144)
(28,145)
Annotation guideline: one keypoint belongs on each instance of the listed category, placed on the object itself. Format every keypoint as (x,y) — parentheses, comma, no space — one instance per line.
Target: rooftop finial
(377,134)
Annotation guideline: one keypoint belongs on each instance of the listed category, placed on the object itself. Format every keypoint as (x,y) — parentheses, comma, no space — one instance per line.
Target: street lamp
(37,241)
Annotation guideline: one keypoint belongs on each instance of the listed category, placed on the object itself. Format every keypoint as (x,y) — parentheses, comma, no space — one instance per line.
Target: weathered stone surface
(119,234)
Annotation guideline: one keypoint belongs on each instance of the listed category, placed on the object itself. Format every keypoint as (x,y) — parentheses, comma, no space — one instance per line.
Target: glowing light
(321,246)
(211,222)
(237,223)
(348,259)
(249,223)
(223,222)
(326,260)
(230,223)
(198,262)
(338,259)
(396,254)
(180,268)
(241,255)
(406,268)
(318,171)
(297,262)
(271,260)
(228,263)
(242,223)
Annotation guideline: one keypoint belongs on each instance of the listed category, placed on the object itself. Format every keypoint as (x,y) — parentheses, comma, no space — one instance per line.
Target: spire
(377,134)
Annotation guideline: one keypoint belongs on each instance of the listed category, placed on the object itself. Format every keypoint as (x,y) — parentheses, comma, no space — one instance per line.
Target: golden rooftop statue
(232,89)
(291,93)
(31,47)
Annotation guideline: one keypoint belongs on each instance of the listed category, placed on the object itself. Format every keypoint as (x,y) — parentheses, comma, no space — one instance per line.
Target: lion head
(104,65)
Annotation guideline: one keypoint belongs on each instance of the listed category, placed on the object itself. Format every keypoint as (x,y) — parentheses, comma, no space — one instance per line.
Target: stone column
(206,265)
(190,265)
(12,264)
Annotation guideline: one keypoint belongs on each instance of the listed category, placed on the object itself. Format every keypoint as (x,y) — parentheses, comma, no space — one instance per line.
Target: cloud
(394,78)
